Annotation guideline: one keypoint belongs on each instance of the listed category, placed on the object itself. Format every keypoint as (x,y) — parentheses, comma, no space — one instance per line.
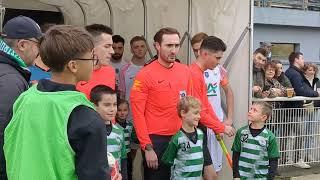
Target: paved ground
(293,173)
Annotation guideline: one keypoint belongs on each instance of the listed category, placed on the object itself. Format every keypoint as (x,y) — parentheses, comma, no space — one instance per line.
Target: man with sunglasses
(103,73)
(18,50)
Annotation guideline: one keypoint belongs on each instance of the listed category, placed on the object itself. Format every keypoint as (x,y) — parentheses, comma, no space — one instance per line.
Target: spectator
(271,88)
(267,46)
(19,48)
(280,76)
(301,88)
(103,73)
(259,60)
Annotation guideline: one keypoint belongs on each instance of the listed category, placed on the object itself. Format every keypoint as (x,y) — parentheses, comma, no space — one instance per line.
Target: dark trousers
(160,144)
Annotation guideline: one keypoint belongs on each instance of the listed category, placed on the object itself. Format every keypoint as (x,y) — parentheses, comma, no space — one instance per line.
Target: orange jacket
(208,116)
(154,97)
(103,76)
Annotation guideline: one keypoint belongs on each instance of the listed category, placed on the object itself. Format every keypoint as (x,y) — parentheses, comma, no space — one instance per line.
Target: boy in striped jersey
(184,153)
(105,101)
(255,149)
(126,125)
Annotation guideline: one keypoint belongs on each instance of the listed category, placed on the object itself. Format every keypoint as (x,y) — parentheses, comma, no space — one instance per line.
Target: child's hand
(230,131)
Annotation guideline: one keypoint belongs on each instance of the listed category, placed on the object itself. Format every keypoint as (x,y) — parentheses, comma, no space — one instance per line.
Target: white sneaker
(289,162)
(301,164)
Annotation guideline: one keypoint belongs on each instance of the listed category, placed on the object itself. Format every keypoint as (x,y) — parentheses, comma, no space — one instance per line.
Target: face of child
(192,117)
(123,111)
(255,114)
(107,107)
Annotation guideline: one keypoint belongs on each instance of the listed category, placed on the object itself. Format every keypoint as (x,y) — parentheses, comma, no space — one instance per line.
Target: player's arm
(229,98)
(171,152)
(236,149)
(138,98)
(273,155)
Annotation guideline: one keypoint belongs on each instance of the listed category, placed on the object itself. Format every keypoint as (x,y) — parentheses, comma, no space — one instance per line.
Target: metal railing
(313,5)
(297,130)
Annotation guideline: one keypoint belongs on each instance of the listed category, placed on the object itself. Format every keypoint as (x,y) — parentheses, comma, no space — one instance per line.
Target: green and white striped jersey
(184,156)
(255,152)
(115,143)
(127,134)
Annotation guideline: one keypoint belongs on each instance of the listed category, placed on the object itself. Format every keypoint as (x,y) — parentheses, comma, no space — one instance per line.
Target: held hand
(117,177)
(256,89)
(152,159)
(265,94)
(228,122)
(230,131)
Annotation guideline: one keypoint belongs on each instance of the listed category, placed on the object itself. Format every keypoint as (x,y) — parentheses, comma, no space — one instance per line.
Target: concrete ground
(293,173)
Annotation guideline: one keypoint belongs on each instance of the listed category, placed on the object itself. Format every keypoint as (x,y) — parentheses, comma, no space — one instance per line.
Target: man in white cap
(18,50)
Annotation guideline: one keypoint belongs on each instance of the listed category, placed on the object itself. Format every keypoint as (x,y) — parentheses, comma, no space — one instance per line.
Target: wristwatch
(149,147)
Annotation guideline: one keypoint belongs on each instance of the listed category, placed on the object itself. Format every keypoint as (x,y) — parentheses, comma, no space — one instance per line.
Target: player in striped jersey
(185,150)
(105,101)
(129,132)
(255,149)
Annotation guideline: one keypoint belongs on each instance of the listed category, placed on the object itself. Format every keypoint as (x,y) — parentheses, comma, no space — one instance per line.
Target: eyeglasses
(94,59)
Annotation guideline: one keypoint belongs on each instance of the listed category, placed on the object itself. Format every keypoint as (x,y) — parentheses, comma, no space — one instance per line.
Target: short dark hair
(293,56)
(99,90)
(97,29)
(266,107)
(117,39)
(63,43)
(137,38)
(122,101)
(198,37)
(213,43)
(167,30)
(276,61)
(261,51)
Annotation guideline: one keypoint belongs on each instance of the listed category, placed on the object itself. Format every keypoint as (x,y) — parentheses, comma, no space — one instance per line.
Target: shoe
(289,162)
(301,164)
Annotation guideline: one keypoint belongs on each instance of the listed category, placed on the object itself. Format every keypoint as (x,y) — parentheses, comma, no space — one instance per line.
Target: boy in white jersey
(255,149)
(105,101)
(184,153)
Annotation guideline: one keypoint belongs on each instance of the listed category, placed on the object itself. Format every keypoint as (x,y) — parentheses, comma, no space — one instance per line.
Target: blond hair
(186,103)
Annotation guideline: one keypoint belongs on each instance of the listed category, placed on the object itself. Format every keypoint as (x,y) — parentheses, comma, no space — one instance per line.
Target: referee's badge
(206,74)
(183,94)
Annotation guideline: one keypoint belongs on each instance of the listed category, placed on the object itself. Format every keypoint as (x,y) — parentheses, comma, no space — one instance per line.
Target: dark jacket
(300,85)
(13,81)
(284,81)
(315,86)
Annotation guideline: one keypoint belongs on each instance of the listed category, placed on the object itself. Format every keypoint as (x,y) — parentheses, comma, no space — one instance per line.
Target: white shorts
(215,150)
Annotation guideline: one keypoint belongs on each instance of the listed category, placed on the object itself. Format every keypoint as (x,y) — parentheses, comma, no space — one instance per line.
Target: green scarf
(12,54)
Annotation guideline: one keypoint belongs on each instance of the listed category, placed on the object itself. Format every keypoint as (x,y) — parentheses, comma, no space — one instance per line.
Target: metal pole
(111,14)
(250,50)
(2,11)
(189,30)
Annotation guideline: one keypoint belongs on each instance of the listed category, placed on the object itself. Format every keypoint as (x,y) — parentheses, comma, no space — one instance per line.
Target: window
(281,51)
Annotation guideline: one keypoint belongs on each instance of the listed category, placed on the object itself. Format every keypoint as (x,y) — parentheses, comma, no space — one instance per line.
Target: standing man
(210,54)
(156,91)
(117,60)
(103,73)
(268,47)
(127,74)
(18,50)
(215,79)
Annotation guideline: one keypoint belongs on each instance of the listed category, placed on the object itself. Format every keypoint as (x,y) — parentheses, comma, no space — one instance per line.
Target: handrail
(111,14)
(83,12)
(295,98)
(294,4)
